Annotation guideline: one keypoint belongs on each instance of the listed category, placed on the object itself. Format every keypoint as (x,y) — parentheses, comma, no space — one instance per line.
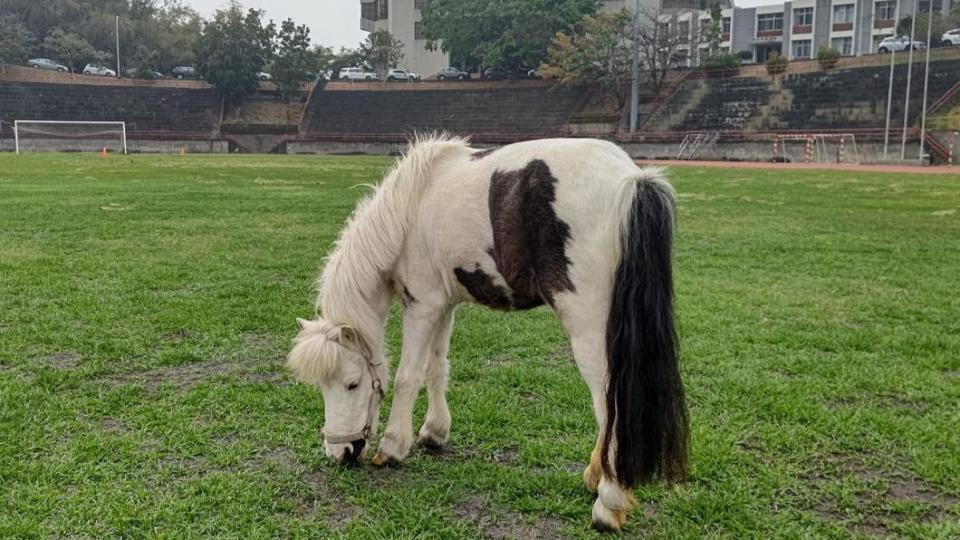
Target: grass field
(146,304)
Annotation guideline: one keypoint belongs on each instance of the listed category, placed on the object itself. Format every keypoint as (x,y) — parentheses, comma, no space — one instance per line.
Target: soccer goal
(69,136)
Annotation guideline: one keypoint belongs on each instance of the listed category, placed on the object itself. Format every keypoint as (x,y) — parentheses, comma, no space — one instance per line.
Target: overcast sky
(332,22)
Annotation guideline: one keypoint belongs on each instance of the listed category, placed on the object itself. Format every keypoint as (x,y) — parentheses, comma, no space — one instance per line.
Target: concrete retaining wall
(116,146)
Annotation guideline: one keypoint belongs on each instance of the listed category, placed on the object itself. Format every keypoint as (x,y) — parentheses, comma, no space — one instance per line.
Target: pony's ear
(302,323)
(348,335)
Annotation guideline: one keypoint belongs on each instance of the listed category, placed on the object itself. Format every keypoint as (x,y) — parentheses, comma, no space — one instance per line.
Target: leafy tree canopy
(16,40)
(232,48)
(511,34)
(381,51)
(72,50)
(295,62)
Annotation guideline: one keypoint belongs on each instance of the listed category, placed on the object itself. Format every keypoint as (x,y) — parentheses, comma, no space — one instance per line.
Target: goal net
(69,136)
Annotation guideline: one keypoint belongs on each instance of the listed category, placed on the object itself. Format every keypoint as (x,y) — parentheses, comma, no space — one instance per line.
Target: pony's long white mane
(369,244)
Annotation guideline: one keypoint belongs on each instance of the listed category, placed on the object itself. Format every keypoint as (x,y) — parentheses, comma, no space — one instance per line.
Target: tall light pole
(118,46)
(635,82)
(926,83)
(906,99)
(893,53)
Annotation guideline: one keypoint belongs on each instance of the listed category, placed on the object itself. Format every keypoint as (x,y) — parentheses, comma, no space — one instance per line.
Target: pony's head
(336,359)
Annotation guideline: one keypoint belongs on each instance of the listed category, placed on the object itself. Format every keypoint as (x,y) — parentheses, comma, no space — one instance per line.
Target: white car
(264,76)
(951,38)
(94,69)
(356,74)
(401,75)
(899,43)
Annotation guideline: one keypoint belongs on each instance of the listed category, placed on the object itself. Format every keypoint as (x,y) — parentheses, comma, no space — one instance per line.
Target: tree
(511,34)
(328,62)
(381,51)
(599,51)
(16,40)
(233,47)
(294,62)
(715,29)
(941,23)
(72,50)
(659,45)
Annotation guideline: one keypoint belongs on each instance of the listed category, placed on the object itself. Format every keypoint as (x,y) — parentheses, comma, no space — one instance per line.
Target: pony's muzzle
(347,453)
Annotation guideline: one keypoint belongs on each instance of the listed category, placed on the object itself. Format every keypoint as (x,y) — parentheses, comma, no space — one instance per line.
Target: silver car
(47,64)
(899,43)
(94,69)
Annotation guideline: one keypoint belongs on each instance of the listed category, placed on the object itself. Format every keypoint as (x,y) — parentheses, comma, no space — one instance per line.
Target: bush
(776,64)
(745,56)
(827,56)
(721,65)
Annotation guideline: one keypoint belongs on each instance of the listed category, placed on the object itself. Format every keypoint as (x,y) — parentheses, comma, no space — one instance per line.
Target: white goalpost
(68,135)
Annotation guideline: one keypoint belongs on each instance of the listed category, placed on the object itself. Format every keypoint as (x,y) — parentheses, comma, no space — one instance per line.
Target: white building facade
(402,19)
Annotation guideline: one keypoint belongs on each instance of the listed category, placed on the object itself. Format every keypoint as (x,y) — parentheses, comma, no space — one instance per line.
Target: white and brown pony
(571,223)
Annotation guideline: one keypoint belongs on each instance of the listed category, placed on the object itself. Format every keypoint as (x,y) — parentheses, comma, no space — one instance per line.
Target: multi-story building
(402,19)
(795,29)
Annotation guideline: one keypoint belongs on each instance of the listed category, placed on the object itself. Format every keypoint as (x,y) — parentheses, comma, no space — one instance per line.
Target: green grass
(146,304)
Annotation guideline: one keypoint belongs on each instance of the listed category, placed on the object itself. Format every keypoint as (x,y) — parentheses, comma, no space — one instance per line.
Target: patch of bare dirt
(59,360)
(506,455)
(188,376)
(342,511)
(178,336)
(500,524)
(562,355)
(871,515)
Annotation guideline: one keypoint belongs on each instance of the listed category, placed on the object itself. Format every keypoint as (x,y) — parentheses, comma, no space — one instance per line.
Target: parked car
(402,75)
(46,64)
(950,38)
(356,74)
(451,73)
(264,76)
(899,43)
(94,69)
(534,74)
(148,74)
(495,74)
(184,72)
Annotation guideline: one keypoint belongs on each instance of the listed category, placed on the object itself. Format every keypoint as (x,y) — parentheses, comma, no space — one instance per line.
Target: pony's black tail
(646,414)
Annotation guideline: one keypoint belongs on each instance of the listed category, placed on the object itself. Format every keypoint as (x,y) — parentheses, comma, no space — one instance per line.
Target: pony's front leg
(419,328)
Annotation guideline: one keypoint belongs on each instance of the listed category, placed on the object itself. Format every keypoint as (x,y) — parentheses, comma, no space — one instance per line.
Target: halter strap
(376,398)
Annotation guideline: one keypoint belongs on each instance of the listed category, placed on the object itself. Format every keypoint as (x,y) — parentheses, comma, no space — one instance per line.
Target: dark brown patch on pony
(529,239)
(481,287)
(480,154)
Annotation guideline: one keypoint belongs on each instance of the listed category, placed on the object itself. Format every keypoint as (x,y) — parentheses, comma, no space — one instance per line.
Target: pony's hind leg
(587,339)
(436,426)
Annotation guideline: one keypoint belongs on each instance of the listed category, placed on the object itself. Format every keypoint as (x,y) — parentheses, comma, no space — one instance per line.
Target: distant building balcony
(842,27)
(803,29)
(770,33)
(884,23)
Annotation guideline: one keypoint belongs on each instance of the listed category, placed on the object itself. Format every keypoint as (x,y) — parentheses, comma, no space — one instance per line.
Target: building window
(368,10)
(843,44)
(887,10)
(770,22)
(420,4)
(802,48)
(383,12)
(803,17)
(418,30)
(843,14)
(725,25)
(683,30)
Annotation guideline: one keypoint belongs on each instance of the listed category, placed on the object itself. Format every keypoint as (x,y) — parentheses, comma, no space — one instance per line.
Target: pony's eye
(353,386)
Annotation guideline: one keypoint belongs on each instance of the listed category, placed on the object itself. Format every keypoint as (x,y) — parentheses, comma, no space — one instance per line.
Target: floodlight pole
(893,53)
(926,83)
(118,46)
(906,99)
(635,82)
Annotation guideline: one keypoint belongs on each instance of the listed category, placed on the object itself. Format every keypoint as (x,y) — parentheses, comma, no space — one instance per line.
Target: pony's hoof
(606,520)
(432,445)
(383,460)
